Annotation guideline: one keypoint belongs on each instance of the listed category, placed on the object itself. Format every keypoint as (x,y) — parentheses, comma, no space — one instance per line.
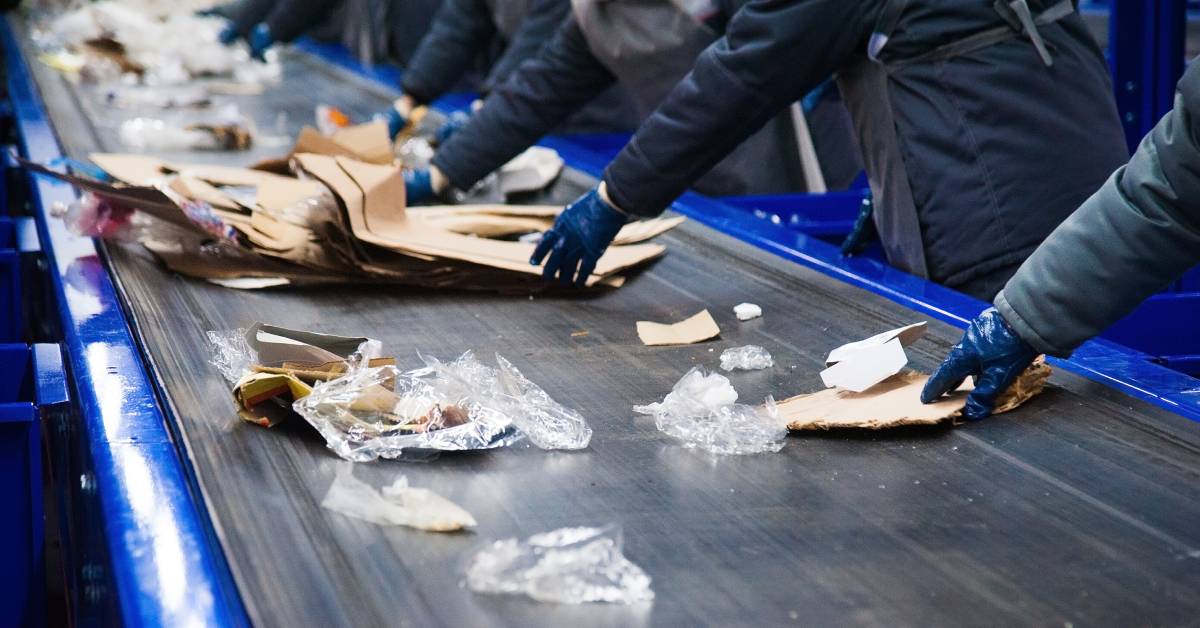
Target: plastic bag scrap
(565,566)
(460,405)
(230,353)
(155,135)
(398,504)
(702,411)
(96,218)
(747,358)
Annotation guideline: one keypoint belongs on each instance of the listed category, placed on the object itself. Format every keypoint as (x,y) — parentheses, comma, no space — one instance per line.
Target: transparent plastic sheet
(397,504)
(702,412)
(230,353)
(747,358)
(565,566)
(447,406)
(96,218)
(415,153)
(228,129)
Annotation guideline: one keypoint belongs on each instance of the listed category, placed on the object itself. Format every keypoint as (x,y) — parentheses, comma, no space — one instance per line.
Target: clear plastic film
(564,566)
(397,504)
(228,130)
(702,412)
(747,358)
(230,353)
(446,406)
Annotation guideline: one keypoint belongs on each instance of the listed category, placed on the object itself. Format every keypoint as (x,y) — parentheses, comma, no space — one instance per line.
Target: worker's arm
(292,18)
(537,98)
(1128,241)
(538,27)
(773,52)
(460,31)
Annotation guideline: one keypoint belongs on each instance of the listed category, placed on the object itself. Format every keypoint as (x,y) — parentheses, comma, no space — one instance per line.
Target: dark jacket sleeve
(773,52)
(246,14)
(1128,241)
(538,27)
(460,31)
(537,98)
(292,18)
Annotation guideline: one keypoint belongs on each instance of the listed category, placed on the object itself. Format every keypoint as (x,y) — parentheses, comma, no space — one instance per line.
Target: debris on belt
(333,213)
(747,358)
(564,566)
(151,43)
(869,387)
(366,408)
(398,504)
(227,130)
(702,411)
(746,311)
(697,328)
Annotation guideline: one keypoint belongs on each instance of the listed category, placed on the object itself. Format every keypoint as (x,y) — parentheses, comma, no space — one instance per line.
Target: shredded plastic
(565,566)
(461,405)
(398,504)
(702,411)
(230,353)
(747,358)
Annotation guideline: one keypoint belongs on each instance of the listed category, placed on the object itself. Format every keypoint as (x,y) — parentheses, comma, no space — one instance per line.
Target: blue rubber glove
(260,41)
(452,125)
(228,35)
(577,240)
(992,353)
(395,121)
(418,186)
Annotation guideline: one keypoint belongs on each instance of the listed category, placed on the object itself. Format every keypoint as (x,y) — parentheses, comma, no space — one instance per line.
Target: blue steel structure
(140,543)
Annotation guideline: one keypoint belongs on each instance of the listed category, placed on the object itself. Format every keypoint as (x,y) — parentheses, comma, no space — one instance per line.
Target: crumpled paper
(564,566)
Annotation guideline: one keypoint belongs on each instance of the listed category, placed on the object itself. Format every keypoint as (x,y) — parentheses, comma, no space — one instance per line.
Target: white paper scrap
(747,311)
(866,367)
(906,335)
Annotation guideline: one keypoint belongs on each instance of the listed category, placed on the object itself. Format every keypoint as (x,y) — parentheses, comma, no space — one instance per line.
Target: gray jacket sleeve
(460,31)
(1128,241)
(540,95)
(537,28)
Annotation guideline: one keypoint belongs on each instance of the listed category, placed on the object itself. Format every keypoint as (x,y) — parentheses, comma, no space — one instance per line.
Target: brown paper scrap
(695,329)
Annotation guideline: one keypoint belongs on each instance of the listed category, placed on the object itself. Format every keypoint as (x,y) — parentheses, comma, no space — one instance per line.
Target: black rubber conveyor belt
(1080,508)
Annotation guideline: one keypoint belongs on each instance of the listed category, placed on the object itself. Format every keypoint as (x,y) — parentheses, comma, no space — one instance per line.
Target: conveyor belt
(1079,508)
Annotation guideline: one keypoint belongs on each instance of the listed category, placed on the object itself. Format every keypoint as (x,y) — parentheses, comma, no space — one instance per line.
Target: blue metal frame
(1146,52)
(164,565)
(1126,370)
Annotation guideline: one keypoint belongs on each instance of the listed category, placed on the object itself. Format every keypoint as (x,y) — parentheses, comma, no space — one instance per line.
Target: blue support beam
(1146,52)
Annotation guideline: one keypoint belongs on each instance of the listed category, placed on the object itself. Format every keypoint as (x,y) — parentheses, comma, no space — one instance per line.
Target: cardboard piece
(867,367)
(907,335)
(698,328)
(897,401)
(365,142)
(277,346)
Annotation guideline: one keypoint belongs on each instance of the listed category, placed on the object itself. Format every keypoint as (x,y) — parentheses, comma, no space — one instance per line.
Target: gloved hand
(396,121)
(578,238)
(260,40)
(452,125)
(418,186)
(992,353)
(228,35)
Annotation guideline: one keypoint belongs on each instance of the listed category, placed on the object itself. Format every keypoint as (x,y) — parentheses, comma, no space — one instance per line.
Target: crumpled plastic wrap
(96,218)
(747,358)
(702,412)
(564,566)
(227,130)
(230,353)
(446,406)
(398,504)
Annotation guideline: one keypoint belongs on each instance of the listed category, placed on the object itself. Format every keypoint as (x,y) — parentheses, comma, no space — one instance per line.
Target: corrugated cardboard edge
(696,328)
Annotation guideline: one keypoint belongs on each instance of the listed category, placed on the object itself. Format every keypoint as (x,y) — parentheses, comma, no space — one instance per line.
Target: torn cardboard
(897,401)
(530,171)
(697,328)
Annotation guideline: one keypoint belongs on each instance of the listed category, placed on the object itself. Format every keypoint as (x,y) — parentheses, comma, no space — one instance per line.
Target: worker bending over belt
(982,126)
(1131,239)
(646,46)
(465,31)
(394,26)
